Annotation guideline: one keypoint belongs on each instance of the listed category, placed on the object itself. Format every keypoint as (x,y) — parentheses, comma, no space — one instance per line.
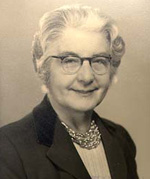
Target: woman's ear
(37,51)
(44,89)
(115,79)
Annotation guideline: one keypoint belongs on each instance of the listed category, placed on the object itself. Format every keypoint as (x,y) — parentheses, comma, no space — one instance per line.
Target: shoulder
(14,138)
(24,122)
(122,135)
(18,130)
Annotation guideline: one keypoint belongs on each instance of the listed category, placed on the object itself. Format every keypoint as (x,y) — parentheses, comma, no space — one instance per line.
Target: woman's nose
(85,74)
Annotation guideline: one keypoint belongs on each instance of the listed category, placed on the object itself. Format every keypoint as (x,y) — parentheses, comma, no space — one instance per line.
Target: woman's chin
(84,107)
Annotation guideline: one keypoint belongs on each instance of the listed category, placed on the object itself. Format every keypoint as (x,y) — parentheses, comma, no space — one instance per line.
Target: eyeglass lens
(99,65)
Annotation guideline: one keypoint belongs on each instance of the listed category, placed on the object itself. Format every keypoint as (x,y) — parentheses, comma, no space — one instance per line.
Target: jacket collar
(51,132)
(45,119)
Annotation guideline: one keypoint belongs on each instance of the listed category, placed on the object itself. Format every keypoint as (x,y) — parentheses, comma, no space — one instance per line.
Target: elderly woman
(76,54)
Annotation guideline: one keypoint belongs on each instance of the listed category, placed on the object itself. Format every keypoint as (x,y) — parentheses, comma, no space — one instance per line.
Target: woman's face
(84,90)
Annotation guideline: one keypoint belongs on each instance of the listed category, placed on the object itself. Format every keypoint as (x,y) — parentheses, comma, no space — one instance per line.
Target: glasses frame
(82,59)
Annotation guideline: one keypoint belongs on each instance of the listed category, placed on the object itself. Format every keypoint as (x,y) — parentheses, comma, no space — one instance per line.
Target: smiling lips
(85,91)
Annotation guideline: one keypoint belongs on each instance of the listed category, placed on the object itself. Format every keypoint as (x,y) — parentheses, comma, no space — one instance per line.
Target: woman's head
(53,24)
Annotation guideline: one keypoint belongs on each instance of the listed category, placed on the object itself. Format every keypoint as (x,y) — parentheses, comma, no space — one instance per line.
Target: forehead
(84,43)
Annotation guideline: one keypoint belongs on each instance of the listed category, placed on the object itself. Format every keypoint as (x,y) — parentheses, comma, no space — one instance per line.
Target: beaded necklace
(88,140)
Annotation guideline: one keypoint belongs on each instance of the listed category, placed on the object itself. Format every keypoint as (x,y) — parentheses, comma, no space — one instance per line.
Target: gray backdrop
(128,101)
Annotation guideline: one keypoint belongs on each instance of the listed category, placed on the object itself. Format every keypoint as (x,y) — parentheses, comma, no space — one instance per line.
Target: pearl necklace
(88,140)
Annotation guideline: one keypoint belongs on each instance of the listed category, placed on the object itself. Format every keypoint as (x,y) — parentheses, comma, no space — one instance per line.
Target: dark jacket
(38,147)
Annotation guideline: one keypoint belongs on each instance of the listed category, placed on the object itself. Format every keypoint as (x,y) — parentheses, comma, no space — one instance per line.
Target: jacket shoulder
(19,128)
(122,135)
(13,137)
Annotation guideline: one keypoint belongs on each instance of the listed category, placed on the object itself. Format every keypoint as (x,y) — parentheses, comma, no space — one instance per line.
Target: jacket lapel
(52,133)
(63,154)
(114,153)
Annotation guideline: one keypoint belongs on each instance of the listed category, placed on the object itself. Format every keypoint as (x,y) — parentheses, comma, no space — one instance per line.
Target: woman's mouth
(85,92)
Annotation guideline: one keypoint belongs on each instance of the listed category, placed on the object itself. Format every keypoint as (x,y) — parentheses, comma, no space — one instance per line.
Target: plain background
(127,102)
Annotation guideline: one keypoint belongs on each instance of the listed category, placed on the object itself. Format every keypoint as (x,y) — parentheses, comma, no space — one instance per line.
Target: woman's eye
(100,61)
(71,60)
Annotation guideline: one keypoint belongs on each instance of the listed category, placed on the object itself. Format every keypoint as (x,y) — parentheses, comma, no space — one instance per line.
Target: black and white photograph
(74,89)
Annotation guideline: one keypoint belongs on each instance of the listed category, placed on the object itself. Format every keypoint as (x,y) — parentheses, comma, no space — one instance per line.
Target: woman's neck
(79,121)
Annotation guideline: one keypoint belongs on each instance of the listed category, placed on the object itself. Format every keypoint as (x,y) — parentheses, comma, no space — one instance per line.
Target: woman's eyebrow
(102,54)
(68,53)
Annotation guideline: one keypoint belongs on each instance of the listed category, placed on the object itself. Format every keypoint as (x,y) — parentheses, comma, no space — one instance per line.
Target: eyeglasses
(72,64)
